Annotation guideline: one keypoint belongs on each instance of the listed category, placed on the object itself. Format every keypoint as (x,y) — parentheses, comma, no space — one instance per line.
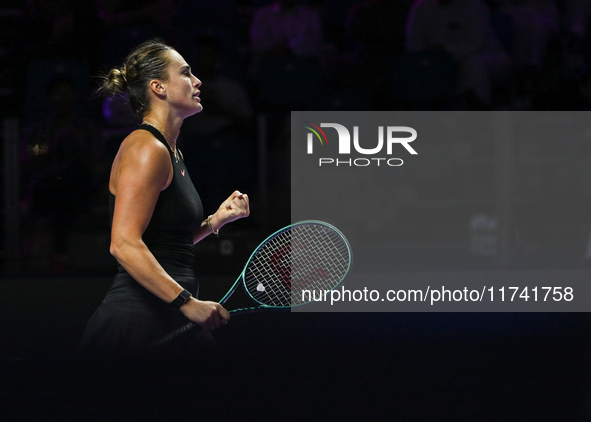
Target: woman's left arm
(233,208)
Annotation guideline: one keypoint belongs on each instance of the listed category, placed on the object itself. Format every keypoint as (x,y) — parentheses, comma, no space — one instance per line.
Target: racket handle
(174,334)
(191,326)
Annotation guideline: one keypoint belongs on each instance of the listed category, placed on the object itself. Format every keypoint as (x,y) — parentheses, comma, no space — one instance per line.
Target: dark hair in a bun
(146,62)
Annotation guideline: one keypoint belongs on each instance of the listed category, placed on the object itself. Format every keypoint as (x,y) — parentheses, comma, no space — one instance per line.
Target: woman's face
(182,87)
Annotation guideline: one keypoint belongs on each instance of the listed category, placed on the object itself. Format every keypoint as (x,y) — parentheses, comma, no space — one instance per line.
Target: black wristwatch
(181,299)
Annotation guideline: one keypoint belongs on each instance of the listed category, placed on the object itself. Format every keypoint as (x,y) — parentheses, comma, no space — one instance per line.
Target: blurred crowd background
(257,60)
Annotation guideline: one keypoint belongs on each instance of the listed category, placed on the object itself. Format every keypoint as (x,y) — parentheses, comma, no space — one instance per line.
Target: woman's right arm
(142,169)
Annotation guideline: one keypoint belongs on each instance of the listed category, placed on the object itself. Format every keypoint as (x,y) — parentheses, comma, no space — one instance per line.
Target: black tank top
(177,215)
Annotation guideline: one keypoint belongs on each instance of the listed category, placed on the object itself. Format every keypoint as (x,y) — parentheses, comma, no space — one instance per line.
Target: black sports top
(177,215)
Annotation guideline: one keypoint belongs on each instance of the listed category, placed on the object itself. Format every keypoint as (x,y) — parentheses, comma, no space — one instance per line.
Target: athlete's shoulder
(141,143)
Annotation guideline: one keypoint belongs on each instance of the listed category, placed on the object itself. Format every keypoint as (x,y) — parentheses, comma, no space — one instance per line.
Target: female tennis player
(156,212)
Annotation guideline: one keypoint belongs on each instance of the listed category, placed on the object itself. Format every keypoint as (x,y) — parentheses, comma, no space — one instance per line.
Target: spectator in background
(376,28)
(221,135)
(65,29)
(577,22)
(534,23)
(60,159)
(463,29)
(286,27)
(131,12)
(129,22)
(228,105)
(576,17)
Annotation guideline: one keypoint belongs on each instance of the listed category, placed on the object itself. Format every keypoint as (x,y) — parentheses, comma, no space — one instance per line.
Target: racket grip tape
(174,334)
(191,325)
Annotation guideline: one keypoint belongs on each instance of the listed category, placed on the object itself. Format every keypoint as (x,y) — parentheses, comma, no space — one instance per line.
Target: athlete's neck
(168,126)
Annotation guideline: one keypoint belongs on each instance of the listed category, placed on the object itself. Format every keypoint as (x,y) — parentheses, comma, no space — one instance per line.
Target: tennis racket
(287,267)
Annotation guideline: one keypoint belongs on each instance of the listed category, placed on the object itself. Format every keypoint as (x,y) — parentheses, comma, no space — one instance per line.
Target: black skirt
(131,319)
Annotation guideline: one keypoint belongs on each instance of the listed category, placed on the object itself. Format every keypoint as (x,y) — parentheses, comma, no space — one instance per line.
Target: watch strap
(181,299)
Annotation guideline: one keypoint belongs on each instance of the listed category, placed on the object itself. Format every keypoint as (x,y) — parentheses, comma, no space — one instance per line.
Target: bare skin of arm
(141,170)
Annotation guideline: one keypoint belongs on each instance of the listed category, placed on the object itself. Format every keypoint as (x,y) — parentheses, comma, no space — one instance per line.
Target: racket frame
(241,277)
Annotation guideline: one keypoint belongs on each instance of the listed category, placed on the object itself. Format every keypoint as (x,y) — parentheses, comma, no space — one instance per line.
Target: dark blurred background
(258,60)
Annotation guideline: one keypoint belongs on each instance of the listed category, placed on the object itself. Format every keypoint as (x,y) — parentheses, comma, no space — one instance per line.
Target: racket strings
(323,256)
(303,257)
(268,275)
